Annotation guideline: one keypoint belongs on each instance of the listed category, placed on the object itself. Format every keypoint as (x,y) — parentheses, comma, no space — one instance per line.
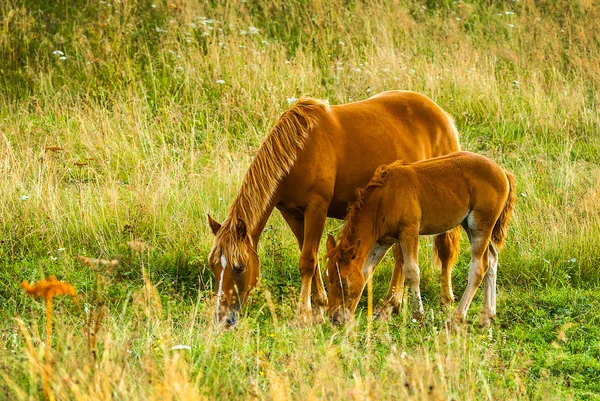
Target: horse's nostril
(232,320)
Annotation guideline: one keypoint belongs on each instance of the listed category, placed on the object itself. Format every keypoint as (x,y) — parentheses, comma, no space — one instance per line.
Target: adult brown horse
(309,168)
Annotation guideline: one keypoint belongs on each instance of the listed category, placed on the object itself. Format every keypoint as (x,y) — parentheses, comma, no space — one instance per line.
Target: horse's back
(351,140)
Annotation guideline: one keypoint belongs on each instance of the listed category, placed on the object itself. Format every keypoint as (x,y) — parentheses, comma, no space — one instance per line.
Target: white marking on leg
(490,281)
(375,255)
(220,290)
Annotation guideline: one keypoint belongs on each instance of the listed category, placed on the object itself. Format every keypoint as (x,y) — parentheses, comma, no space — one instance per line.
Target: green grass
(152,142)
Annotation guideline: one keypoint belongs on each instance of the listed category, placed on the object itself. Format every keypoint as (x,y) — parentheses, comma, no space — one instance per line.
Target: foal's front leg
(393,299)
(409,242)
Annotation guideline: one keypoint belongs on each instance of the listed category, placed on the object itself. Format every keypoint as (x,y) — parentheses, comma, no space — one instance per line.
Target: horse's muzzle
(230,318)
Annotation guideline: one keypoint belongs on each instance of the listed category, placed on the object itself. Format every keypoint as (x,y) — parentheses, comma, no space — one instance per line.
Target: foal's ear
(330,243)
(214,225)
(240,229)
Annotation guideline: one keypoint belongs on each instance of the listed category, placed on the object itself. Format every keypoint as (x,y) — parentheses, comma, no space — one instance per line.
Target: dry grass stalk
(139,246)
(95,264)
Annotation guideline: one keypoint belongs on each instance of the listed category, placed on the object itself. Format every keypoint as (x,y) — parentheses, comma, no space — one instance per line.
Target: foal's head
(234,262)
(345,279)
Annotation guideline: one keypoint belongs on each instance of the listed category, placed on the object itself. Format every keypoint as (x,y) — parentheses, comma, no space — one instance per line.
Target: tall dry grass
(158,112)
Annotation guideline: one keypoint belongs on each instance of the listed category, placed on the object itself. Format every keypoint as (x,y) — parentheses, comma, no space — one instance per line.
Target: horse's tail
(500,231)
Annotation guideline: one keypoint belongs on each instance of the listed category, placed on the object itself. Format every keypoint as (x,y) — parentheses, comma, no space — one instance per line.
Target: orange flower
(48,288)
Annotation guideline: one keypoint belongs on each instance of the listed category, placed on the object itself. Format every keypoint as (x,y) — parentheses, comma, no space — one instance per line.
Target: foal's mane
(347,234)
(274,159)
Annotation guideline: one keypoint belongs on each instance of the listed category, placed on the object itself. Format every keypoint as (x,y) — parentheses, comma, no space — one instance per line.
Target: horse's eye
(239,268)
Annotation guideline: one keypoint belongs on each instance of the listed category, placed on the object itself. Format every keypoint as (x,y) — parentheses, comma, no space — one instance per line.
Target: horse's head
(234,262)
(345,280)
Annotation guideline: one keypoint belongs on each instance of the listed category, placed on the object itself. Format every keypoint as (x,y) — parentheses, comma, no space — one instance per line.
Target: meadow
(124,122)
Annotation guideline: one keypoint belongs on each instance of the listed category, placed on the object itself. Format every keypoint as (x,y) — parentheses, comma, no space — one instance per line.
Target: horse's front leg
(315,215)
(393,299)
(319,296)
(409,242)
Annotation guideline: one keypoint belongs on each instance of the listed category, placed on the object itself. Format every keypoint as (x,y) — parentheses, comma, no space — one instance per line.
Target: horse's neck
(365,228)
(256,224)
(257,230)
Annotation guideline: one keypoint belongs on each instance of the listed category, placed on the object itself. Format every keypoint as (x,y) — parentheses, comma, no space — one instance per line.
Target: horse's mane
(347,234)
(274,159)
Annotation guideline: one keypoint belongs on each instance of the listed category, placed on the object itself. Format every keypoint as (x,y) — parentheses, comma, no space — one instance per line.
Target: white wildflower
(341,43)
(160,30)
(24,197)
(180,346)
(291,100)
(252,30)
(58,52)
(220,81)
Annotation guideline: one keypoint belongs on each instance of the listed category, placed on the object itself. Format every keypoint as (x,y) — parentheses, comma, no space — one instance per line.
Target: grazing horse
(309,167)
(403,201)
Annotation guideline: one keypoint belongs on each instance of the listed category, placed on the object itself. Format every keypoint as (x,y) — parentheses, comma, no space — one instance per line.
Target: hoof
(303,317)
(319,315)
(446,300)
(485,320)
(454,324)
(384,314)
(418,314)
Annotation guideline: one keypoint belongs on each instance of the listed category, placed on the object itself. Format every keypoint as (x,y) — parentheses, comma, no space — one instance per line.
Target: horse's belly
(441,224)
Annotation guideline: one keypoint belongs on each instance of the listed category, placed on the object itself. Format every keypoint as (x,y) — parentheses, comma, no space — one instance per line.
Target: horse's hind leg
(480,239)
(445,249)
(489,290)
(393,299)
(409,242)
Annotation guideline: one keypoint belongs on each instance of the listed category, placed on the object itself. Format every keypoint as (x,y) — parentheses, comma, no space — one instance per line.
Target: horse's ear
(355,249)
(240,229)
(214,225)
(330,243)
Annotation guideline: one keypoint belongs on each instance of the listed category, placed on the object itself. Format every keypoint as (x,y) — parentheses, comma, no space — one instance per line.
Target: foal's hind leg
(445,249)
(409,242)
(489,290)
(480,239)
(393,299)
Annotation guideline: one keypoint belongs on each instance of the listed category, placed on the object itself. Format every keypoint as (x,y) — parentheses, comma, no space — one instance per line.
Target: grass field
(158,107)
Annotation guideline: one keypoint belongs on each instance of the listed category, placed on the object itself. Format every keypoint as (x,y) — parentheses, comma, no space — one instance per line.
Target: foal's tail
(500,231)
